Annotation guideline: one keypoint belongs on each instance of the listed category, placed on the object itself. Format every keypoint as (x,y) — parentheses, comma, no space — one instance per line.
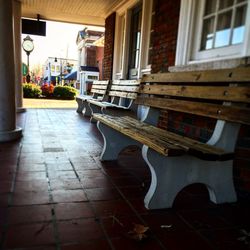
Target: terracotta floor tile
(6,174)
(32,167)
(61,175)
(126,181)
(3,215)
(4,198)
(179,240)
(160,218)
(90,173)
(30,198)
(59,167)
(66,184)
(29,235)
(133,192)
(227,239)
(60,142)
(120,226)
(236,215)
(102,194)
(138,205)
(5,186)
(28,214)
(32,186)
(205,219)
(126,243)
(66,211)
(62,196)
(91,245)
(48,247)
(28,175)
(111,207)
(96,182)
(79,231)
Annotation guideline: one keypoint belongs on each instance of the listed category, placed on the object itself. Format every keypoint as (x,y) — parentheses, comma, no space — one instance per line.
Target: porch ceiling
(91,12)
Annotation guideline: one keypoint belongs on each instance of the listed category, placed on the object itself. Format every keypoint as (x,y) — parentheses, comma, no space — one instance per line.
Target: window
(213,30)
(133,46)
(135,41)
(151,35)
(223,23)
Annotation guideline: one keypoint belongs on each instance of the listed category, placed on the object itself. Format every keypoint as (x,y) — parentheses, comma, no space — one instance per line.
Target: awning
(71,76)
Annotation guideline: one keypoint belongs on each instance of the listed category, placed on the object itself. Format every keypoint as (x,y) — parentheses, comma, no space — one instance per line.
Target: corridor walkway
(56,194)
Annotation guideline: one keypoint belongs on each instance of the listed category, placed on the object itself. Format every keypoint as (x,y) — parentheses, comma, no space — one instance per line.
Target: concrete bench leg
(80,106)
(114,142)
(171,174)
(94,109)
(87,111)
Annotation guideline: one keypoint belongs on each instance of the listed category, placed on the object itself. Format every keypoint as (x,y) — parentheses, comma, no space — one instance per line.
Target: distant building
(90,58)
(56,68)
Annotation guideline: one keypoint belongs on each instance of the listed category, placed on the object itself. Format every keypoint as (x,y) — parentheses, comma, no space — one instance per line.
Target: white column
(18,55)
(8,129)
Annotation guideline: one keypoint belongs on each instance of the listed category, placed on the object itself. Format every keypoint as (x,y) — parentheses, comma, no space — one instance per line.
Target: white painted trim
(187,44)
(184,34)
(145,35)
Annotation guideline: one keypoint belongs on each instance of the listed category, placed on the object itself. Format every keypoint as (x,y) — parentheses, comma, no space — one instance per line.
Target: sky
(60,41)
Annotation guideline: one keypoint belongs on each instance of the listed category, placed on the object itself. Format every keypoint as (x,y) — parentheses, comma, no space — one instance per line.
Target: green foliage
(65,92)
(31,90)
(47,90)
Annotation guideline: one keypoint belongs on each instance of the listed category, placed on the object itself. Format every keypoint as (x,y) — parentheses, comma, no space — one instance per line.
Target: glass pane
(207,35)
(225,3)
(222,37)
(239,25)
(210,6)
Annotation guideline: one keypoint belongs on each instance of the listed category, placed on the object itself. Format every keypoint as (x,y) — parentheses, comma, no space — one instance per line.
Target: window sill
(218,64)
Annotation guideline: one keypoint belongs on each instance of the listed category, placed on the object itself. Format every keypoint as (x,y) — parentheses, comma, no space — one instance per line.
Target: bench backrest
(220,94)
(123,92)
(99,89)
(202,93)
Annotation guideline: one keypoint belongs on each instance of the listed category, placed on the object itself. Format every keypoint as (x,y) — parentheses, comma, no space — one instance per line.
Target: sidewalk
(48,103)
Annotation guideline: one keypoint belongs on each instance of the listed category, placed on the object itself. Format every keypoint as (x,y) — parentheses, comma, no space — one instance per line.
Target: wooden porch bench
(176,161)
(98,92)
(121,95)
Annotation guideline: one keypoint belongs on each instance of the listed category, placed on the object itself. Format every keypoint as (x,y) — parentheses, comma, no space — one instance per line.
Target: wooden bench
(98,93)
(121,96)
(176,161)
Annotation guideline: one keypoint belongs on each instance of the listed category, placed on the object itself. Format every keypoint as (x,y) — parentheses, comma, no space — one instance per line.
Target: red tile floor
(56,194)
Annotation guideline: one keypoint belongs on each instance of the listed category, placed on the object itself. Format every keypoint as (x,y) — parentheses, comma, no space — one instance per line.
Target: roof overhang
(71,11)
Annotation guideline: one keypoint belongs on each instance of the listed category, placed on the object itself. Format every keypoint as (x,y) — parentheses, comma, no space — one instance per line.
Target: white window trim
(120,71)
(185,40)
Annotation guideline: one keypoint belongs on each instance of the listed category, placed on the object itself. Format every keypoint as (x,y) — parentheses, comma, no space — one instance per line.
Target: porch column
(18,55)
(8,129)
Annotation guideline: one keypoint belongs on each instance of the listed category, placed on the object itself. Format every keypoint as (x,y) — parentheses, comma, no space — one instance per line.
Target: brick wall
(164,49)
(99,59)
(165,34)
(91,56)
(109,46)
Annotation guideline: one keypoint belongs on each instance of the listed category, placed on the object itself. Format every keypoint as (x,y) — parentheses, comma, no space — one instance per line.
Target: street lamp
(60,69)
(28,47)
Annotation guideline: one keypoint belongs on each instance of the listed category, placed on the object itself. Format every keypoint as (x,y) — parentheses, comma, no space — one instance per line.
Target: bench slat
(95,86)
(164,142)
(98,91)
(227,113)
(126,82)
(128,95)
(229,93)
(125,88)
(98,82)
(121,125)
(182,141)
(211,76)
